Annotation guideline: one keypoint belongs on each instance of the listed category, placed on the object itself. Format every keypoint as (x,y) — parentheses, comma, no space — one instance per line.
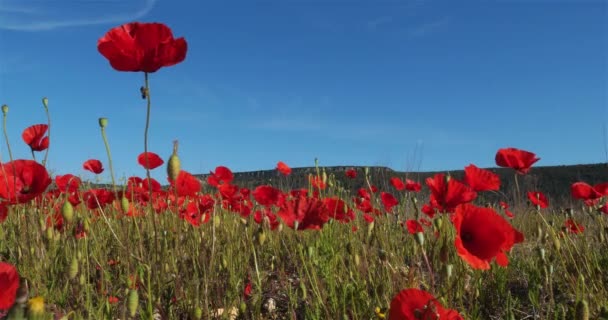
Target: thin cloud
(428,28)
(33,19)
(375,23)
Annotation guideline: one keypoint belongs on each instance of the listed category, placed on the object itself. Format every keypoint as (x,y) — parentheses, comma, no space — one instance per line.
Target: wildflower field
(191,249)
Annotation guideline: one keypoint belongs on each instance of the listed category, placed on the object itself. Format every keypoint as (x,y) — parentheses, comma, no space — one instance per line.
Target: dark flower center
(466,236)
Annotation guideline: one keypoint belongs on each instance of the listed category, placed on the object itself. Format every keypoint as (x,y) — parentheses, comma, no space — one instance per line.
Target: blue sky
(413,85)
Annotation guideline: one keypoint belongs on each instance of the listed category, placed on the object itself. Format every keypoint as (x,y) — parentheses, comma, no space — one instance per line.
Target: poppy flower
(482,235)
(9,283)
(505,207)
(283,168)
(583,191)
(67,182)
(34,137)
(3,211)
(93,165)
(220,175)
(388,200)
(143,47)
(519,160)
(573,227)
(538,199)
(397,183)
(413,226)
(154,161)
(317,182)
(266,195)
(414,304)
(186,184)
(445,196)
(23,180)
(411,185)
(338,210)
(304,213)
(351,173)
(481,179)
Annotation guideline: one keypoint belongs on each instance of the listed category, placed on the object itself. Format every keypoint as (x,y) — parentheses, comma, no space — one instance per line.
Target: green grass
(183,272)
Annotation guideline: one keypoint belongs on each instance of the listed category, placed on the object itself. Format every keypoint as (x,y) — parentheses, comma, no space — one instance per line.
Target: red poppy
(266,195)
(351,173)
(338,210)
(538,199)
(519,160)
(583,191)
(283,168)
(304,213)
(505,207)
(413,226)
(3,211)
(113,300)
(316,182)
(397,183)
(154,161)
(143,47)
(98,198)
(186,184)
(481,179)
(9,283)
(412,304)
(483,235)
(445,196)
(601,188)
(411,185)
(23,180)
(67,182)
(388,200)
(573,227)
(93,165)
(220,175)
(34,137)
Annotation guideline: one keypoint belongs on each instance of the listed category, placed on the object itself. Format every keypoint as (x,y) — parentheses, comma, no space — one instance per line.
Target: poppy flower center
(466,236)
(25,190)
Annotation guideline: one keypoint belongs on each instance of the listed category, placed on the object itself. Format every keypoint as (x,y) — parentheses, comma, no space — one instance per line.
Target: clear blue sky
(413,85)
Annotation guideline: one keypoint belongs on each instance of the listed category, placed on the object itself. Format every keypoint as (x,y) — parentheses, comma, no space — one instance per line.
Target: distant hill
(553,181)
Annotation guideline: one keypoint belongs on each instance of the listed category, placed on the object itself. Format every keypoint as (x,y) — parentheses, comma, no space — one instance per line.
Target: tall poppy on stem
(144,47)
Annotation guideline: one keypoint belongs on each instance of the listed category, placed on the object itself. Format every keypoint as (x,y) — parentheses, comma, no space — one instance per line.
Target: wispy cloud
(16,16)
(427,28)
(377,22)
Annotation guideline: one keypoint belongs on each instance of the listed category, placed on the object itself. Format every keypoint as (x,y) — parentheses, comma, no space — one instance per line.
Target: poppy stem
(146,94)
(8,145)
(45,103)
(107,145)
(517,199)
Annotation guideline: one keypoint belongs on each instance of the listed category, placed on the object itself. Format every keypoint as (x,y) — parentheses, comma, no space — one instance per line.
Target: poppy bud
(4,109)
(67,210)
(541,254)
(173,165)
(260,236)
(45,102)
(449,268)
(438,223)
(198,313)
(303,290)
(73,269)
(133,302)
(419,238)
(82,280)
(357,259)
(103,122)
(582,310)
(124,204)
(243,307)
